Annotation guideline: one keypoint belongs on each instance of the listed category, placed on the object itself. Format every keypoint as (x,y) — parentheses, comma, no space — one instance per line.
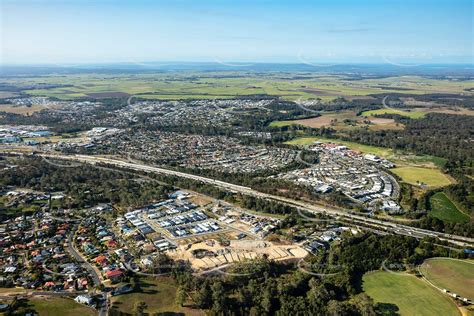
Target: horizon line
(229,63)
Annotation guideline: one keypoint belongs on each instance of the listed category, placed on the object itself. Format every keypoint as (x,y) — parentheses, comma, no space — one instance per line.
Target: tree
(337,308)
(365,304)
(218,297)
(266,302)
(139,308)
(180,295)
(204,299)
(135,282)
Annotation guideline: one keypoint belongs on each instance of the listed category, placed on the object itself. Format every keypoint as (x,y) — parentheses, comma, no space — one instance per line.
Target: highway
(339,214)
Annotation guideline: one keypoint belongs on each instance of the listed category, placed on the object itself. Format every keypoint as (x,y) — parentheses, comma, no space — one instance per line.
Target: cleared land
(59,307)
(343,120)
(457,276)
(406,295)
(443,209)
(237,251)
(282,123)
(418,175)
(7,94)
(159,294)
(23,110)
(410,114)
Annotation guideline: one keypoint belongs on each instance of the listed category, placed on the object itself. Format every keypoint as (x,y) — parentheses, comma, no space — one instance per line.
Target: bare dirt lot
(237,251)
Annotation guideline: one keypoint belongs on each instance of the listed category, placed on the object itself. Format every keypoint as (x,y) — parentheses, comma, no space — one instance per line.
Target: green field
(428,160)
(443,209)
(59,307)
(282,123)
(410,114)
(457,276)
(159,294)
(416,175)
(407,295)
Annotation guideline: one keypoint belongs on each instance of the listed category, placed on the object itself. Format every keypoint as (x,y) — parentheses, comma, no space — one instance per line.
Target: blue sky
(75,31)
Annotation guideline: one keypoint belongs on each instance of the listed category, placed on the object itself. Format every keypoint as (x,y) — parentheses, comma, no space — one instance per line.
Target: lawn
(410,114)
(59,307)
(159,294)
(428,176)
(443,209)
(406,294)
(456,276)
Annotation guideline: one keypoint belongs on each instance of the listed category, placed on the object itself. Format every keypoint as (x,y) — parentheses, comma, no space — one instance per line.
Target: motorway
(340,214)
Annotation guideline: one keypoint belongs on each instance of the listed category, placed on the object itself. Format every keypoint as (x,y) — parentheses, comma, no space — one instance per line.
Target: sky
(408,32)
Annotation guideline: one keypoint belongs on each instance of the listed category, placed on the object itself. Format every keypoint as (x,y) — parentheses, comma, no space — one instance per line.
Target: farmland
(457,276)
(228,85)
(406,295)
(443,208)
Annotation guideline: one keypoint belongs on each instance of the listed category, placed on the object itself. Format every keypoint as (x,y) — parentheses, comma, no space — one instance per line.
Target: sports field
(457,276)
(444,209)
(418,175)
(406,295)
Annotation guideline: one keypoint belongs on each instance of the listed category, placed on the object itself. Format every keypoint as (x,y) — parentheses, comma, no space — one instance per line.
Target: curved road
(92,272)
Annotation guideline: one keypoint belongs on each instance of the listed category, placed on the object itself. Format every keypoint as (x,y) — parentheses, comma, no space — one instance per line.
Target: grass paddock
(406,295)
(444,209)
(457,276)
